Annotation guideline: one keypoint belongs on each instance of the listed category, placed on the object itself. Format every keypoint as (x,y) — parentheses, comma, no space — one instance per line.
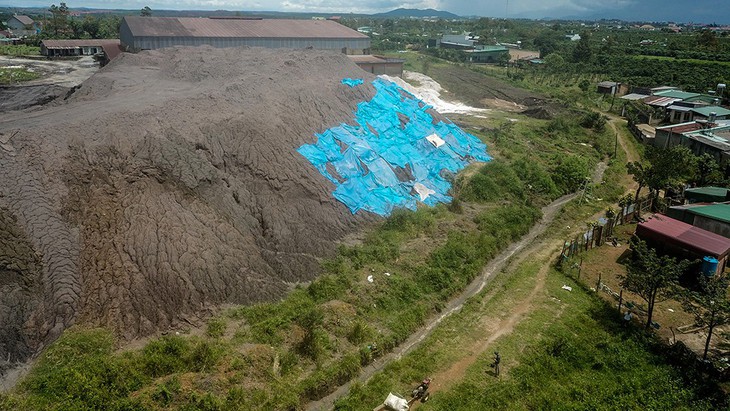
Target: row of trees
(656,277)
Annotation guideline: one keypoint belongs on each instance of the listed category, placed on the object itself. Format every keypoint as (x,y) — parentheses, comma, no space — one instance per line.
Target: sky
(652,10)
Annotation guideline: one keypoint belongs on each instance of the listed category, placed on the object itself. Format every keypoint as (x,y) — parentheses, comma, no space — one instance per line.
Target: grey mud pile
(166,185)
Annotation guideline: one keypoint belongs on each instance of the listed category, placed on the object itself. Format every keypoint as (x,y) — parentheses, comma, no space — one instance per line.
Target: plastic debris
(565,287)
(387,274)
(352,82)
(394,146)
(370,278)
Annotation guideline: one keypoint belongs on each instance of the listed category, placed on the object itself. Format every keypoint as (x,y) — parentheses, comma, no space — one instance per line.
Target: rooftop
(678,94)
(263,28)
(720,212)
(692,238)
(682,127)
(705,111)
(24,19)
(634,96)
(65,44)
(660,101)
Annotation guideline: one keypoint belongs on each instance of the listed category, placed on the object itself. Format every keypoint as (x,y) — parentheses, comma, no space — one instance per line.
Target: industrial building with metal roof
(147,33)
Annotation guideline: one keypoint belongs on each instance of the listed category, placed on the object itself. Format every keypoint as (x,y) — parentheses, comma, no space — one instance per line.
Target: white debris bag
(396,403)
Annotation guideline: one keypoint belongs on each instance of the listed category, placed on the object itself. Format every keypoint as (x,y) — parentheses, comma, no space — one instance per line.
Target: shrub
(166,355)
(216,328)
(571,173)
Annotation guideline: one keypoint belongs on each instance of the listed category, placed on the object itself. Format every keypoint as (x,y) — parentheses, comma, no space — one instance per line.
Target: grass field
(16,75)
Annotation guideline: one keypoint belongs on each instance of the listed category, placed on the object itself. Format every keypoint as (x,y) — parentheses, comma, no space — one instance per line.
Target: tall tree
(582,51)
(146,11)
(59,20)
(650,276)
(709,305)
(663,168)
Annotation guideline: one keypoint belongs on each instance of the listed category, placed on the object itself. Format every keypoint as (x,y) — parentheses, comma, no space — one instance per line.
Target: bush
(571,173)
(216,328)
(166,355)
(494,181)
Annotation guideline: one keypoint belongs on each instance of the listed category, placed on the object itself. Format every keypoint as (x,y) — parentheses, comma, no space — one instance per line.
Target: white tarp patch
(423,191)
(435,140)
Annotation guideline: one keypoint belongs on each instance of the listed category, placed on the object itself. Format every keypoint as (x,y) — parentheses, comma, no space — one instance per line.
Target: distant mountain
(401,13)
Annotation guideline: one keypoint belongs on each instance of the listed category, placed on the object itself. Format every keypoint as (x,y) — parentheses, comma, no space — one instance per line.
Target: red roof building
(675,237)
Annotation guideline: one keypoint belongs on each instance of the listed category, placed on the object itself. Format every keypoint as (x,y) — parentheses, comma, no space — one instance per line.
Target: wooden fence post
(598,285)
(620,299)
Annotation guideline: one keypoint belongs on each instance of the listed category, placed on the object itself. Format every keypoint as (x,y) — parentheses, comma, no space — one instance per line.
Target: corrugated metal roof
(660,101)
(678,94)
(238,28)
(720,212)
(679,108)
(24,19)
(705,111)
(683,127)
(666,229)
(634,96)
(79,43)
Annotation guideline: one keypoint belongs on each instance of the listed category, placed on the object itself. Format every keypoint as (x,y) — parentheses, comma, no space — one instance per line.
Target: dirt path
(496,327)
(618,125)
(488,273)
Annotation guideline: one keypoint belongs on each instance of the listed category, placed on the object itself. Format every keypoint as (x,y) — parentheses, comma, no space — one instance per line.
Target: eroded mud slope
(167,184)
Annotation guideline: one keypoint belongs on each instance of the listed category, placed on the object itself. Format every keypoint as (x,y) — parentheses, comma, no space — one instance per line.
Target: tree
(59,25)
(547,42)
(709,305)
(650,276)
(707,40)
(146,11)
(91,26)
(663,168)
(582,51)
(708,170)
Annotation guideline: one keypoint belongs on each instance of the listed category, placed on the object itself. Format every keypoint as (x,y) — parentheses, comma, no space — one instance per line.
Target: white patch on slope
(430,92)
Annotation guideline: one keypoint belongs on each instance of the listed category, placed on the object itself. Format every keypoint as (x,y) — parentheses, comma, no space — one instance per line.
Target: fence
(603,231)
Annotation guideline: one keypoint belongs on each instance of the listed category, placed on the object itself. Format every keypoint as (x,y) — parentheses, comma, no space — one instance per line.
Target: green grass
(16,75)
(20,50)
(569,353)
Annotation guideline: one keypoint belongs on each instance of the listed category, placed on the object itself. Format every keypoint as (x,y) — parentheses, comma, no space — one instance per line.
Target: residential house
(21,26)
(711,217)
(683,240)
(701,137)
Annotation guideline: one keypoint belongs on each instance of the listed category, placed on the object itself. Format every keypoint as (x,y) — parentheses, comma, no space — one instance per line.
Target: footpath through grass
(570,352)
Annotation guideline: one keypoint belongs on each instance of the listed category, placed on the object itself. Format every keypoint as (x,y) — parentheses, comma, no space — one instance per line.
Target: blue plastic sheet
(352,82)
(370,158)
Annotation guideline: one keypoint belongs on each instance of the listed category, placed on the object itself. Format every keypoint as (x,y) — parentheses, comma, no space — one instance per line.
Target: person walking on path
(495,364)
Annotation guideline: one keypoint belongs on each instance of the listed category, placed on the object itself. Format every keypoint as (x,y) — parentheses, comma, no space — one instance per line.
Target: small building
(379,64)
(707,194)
(21,23)
(149,33)
(713,217)
(608,87)
(682,240)
(670,136)
(457,41)
(710,113)
(488,54)
(573,37)
(105,49)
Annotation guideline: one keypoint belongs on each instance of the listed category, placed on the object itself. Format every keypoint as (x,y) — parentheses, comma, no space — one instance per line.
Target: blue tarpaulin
(352,82)
(394,146)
